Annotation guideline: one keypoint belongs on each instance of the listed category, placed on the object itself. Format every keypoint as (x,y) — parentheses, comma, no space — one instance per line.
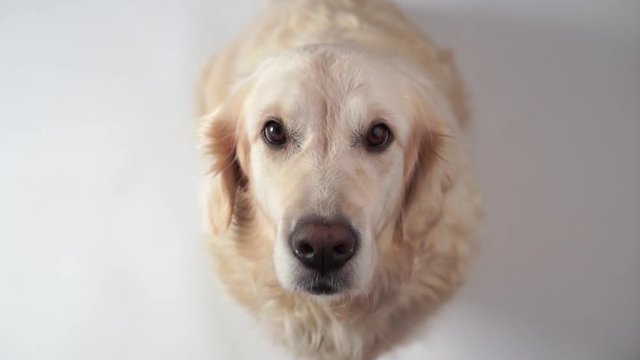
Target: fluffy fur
(327,68)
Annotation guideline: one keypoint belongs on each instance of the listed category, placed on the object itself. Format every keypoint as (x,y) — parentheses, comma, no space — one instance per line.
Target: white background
(101,252)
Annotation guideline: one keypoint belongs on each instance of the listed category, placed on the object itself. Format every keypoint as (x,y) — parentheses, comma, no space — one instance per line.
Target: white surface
(100,249)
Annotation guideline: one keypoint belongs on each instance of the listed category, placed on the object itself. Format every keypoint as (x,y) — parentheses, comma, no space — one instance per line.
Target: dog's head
(334,148)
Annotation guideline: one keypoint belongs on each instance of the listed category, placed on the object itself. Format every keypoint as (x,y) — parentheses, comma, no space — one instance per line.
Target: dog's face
(325,144)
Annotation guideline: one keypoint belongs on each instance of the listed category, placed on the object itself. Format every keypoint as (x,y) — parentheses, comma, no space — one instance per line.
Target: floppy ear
(427,163)
(219,138)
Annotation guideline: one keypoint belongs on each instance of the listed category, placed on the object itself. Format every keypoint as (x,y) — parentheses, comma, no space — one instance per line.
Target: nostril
(343,249)
(304,249)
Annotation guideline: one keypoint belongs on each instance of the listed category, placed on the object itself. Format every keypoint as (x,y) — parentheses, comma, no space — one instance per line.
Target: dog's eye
(274,133)
(378,137)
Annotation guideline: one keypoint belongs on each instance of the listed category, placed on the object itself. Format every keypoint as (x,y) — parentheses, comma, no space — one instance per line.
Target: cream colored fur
(328,67)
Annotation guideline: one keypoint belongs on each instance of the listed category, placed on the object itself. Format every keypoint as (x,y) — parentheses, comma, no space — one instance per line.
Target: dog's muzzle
(324,248)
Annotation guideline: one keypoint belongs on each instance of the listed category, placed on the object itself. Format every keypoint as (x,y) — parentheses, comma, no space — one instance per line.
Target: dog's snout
(323,246)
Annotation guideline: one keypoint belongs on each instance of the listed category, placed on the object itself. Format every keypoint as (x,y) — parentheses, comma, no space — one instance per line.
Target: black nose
(323,246)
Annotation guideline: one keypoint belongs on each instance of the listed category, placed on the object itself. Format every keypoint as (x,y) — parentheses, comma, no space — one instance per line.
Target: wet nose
(323,246)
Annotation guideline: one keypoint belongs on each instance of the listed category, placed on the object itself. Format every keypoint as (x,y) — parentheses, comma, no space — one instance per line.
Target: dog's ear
(427,169)
(219,136)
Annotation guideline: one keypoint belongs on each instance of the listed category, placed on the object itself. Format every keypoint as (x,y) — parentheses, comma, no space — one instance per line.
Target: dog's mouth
(328,284)
(322,288)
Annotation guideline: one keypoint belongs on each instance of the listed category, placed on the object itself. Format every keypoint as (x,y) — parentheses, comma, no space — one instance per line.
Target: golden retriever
(340,203)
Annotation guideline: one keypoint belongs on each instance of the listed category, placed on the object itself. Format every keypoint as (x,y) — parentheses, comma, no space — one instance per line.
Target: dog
(341,210)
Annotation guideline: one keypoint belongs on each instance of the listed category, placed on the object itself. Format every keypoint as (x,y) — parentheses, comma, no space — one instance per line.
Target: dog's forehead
(329,90)
(306,77)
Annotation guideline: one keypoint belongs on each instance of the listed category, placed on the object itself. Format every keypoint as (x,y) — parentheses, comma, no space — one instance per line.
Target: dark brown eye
(378,137)
(274,134)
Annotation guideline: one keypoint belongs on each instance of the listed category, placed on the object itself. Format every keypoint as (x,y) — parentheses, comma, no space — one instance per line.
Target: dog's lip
(322,288)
